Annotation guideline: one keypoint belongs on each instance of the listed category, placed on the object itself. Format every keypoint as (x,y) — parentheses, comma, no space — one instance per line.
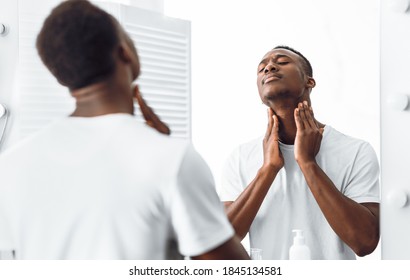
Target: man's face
(281,75)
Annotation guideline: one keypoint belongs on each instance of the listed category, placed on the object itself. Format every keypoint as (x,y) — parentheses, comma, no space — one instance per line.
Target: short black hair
(76,43)
(305,62)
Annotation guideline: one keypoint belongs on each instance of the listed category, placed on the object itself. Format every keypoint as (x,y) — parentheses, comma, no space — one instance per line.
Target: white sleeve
(231,184)
(363,185)
(197,215)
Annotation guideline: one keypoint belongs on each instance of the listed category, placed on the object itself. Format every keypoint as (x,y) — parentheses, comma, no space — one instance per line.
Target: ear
(128,56)
(124,53)
(311,83)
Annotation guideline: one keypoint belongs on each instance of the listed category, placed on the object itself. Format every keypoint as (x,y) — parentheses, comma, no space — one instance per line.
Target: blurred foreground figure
(98,184)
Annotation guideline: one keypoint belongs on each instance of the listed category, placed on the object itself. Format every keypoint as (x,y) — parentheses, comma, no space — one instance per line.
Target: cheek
(295,79)
(135,70)
(260,90)
(258,82)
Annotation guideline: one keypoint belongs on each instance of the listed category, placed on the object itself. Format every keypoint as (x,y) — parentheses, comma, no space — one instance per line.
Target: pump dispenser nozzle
(299,250)
(298,239)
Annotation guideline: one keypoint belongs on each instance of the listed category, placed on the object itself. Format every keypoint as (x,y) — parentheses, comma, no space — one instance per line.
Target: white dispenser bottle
(299,250)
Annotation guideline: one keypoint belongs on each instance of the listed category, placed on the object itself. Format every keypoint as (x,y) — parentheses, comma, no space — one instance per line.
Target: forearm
(230,250)
(243,210)
(354,223)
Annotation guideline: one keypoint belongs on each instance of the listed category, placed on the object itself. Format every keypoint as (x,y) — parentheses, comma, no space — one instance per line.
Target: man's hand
(272,157)
(150,117)
(308,134)
(242,212)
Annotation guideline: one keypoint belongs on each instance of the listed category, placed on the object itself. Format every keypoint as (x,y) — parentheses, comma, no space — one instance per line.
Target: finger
(275,128)
(321,130)
(298,119)
(311,111)
(145,110)
(149,115)
(162,128)
(310,118)
(149,123)
(303,114)
(158,124)
(270,124)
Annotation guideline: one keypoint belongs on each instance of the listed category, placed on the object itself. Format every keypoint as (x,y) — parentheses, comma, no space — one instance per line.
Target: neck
(287,124)
(103,98)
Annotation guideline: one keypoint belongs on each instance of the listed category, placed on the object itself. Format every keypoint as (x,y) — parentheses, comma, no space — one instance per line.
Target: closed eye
(261,69)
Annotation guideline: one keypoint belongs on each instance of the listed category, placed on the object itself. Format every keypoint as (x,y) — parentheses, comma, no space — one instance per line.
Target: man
(306,175)
(99,184)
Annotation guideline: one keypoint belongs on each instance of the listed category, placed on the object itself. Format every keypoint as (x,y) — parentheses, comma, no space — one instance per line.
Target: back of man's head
(76,43)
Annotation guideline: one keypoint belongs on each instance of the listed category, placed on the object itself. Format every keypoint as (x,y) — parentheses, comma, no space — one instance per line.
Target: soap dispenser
(299,250)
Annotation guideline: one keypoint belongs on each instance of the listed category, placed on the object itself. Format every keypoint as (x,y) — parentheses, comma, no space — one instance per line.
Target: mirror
(340,39)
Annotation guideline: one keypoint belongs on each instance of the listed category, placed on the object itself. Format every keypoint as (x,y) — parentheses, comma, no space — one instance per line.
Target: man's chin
(271,96)
(274,94)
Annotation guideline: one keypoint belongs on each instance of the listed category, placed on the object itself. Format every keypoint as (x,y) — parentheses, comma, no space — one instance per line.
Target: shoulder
(134,133)
(24,147)
(336,138)
(342,146)
(247,150)
(191,161)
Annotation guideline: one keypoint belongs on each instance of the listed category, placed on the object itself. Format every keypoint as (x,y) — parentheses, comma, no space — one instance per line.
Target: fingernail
(305,102)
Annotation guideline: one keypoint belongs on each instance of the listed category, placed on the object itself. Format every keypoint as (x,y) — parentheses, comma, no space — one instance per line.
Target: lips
(271,78)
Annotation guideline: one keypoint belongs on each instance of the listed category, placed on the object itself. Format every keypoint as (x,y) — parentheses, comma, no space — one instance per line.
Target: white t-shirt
(350,163)
(107,187)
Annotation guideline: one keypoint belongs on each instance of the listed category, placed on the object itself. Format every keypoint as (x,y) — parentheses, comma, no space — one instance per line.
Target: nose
(270,67)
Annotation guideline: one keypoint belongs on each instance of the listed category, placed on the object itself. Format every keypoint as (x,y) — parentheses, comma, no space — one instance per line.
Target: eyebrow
(276,57)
